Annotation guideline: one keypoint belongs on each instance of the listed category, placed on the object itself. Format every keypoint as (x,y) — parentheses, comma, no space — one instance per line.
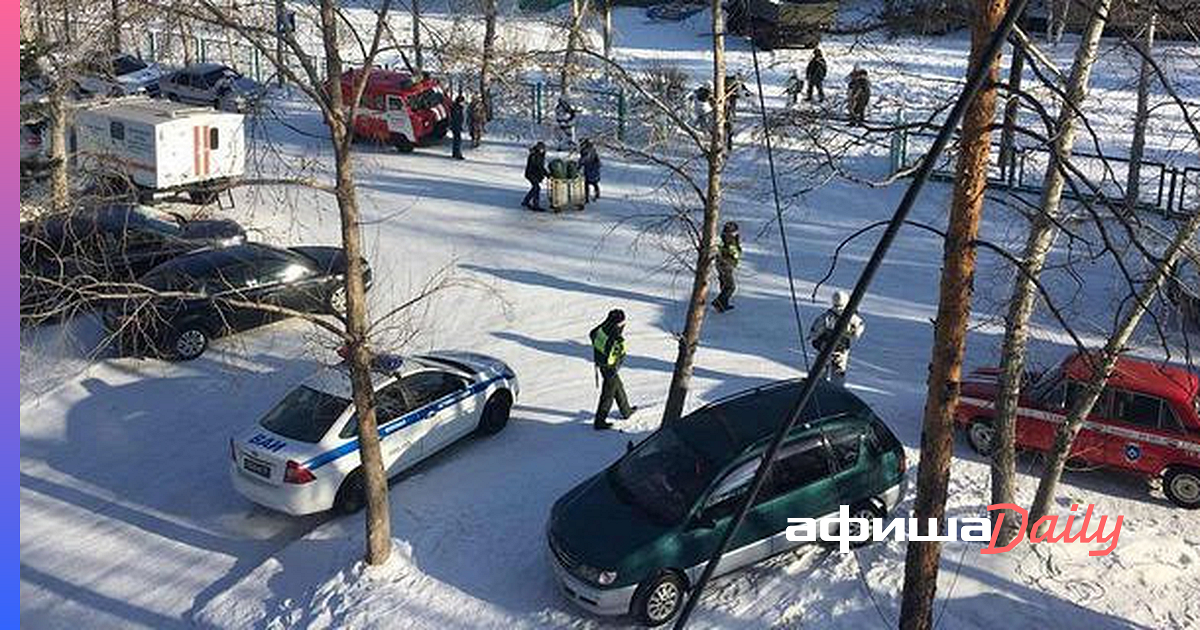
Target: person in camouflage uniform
(729,254)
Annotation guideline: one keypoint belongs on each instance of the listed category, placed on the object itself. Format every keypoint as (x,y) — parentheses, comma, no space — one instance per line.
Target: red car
(397,109)
(1147,421)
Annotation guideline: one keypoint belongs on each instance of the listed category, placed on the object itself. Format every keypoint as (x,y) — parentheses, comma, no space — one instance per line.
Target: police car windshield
(663,477)
(305,414)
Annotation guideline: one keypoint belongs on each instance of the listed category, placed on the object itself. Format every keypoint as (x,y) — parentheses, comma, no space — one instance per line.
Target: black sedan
(72,259)
(215,292)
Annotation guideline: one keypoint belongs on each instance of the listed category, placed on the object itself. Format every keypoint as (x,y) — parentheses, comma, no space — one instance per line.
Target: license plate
(257,467)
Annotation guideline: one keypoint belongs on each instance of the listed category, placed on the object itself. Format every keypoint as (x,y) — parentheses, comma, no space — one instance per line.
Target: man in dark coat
(729,254)
(456,126)
(589,160)
(860,96)
(535,172)
(608,352)
(815,74)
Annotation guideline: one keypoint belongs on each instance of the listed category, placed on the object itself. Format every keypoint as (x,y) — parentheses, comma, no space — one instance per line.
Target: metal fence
(1168,190)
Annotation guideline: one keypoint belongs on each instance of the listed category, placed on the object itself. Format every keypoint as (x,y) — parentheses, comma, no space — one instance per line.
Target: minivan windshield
(663,477)
(305,414)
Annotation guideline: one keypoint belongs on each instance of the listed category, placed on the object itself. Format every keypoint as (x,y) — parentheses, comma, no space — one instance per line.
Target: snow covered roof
(152,111)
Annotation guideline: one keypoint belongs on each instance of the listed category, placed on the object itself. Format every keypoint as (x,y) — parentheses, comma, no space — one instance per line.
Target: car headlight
(591,574)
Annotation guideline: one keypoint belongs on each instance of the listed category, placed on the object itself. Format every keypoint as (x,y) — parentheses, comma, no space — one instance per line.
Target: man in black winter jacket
(456,126)
(535,172)
(815,73)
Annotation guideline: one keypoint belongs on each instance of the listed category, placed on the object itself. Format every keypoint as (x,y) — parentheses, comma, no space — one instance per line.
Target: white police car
(303,456)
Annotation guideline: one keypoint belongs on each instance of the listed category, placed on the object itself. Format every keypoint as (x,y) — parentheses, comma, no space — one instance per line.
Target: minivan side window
(798,465)
(845,443)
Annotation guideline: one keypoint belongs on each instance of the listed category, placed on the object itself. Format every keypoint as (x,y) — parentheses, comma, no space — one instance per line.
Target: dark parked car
(65,258)
(631,539)
(218,290)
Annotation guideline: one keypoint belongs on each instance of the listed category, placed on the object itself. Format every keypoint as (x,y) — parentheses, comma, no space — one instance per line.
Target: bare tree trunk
(489,53)
(1042,232)
(608,29)
(954,310)
(279,28)
(185,39)
(116,26)
(338,119)
(579,9)
(1103,367)
(1137,149)
(59,188)
(681,377)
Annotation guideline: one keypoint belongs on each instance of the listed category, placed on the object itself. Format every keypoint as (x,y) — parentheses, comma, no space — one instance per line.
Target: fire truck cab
(1147,420)
(397,109)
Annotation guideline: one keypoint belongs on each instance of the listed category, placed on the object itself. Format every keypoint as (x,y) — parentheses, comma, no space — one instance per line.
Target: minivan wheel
(870,511)
(657,600)
(190,342)
(495,413)
(1182,487)
(982,436)
(352,495)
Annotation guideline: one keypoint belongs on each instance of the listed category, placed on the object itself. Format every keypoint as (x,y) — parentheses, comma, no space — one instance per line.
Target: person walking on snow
(729,254)
(589,161)
(608,352)
(815,73)
(456,127)
(793,88)
(535,172)
(860,96)
(564,115)
(821,334)
(477,119)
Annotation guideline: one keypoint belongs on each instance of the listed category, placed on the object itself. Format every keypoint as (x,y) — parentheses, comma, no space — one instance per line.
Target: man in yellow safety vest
(608,352)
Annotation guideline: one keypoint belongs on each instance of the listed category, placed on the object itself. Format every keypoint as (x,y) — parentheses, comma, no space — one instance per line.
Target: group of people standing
(858,86)
(474,116)
(536,172)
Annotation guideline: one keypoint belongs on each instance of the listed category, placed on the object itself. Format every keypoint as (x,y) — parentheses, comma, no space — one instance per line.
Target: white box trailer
(161,146)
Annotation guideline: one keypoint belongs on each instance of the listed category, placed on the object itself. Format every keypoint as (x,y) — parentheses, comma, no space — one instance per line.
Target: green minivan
(631,539)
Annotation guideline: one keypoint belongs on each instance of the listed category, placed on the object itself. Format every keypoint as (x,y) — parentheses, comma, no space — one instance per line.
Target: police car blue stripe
(406,420)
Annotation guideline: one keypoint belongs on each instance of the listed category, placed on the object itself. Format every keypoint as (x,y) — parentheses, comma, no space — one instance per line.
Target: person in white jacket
(821,333)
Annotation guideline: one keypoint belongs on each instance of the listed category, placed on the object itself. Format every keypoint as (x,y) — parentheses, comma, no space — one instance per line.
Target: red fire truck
(1147,420)
(397,109)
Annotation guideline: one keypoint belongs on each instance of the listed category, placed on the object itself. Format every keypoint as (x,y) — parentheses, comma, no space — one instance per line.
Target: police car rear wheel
(352,495)
(982,436)
(1182,487)
(189,343)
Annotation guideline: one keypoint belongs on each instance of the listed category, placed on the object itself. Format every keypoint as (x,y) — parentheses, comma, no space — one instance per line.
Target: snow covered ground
(128,518)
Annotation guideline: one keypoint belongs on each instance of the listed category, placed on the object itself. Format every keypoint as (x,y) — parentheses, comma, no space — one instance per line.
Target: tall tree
(1042,232)
(579,9)
(416,34)
(1137,149)
(489,53)
(954,308)
(1103,364)
(714,154)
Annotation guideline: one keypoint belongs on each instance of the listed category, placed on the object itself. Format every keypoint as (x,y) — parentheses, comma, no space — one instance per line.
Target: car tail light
(902,462)
(35,141)
(295,473)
